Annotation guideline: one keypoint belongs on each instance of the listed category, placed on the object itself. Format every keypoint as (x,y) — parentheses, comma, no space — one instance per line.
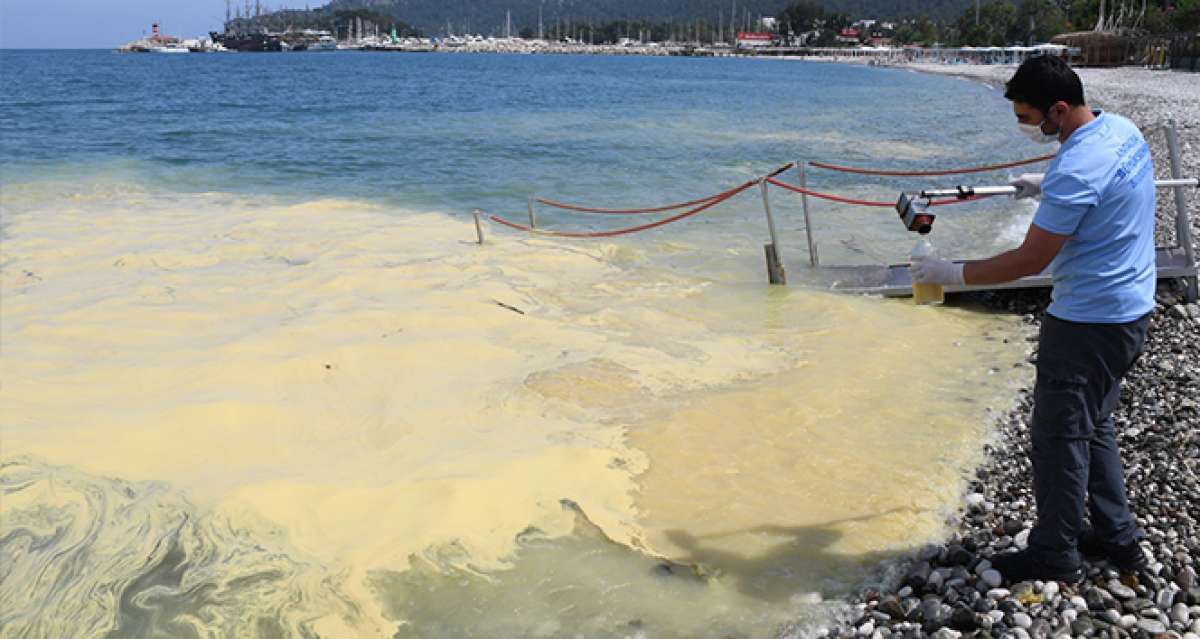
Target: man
(1094,229)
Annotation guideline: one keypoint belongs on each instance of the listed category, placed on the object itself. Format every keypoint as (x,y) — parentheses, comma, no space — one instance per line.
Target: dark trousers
(1075,455)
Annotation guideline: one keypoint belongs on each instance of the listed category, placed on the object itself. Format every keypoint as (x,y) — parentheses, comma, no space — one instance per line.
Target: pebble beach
(950,590)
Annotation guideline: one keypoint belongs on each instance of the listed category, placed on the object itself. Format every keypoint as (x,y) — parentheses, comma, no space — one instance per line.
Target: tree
(1037,21)
(1185,16)
(1083,14)
(996,19)
(801,16)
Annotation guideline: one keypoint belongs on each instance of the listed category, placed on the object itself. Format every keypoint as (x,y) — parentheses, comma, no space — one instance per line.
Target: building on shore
(754,40)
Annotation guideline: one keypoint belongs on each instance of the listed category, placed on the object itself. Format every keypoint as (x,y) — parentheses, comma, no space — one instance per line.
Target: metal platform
(894,281)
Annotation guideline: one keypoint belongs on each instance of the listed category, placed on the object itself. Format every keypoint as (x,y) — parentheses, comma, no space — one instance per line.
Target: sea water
(259,379)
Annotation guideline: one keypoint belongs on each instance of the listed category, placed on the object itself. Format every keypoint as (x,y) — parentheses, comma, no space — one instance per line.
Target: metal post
(532,221)
(813,259)
(775,272)
(478,226)
(1183,225)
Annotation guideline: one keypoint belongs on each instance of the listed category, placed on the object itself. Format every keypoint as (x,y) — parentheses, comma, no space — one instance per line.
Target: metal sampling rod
(917,215)
(963,192)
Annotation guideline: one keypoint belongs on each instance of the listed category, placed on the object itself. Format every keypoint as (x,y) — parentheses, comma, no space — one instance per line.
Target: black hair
(1043,80)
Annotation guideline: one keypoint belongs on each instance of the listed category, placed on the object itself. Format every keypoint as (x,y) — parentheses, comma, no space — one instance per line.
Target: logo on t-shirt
(1132,162)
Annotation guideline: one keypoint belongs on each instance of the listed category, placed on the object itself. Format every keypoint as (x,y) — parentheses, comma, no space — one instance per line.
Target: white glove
(1028,185)
(932,270)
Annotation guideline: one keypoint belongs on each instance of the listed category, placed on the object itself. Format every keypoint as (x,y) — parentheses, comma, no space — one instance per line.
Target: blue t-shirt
(1099,189)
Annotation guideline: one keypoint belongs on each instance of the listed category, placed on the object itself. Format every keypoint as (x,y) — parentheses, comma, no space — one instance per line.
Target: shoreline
(948,589)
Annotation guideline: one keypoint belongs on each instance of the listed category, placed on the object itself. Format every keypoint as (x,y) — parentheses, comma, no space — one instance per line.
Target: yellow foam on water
(380,388)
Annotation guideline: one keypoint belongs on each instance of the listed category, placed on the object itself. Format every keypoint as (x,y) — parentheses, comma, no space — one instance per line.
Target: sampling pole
(812,246)
(478,226)
(775,272)
(1183,225)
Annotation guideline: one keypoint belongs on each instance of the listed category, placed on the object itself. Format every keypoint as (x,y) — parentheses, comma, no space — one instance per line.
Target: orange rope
(657,209)
(828,196)
(978,169)
(660,209)
(715,200)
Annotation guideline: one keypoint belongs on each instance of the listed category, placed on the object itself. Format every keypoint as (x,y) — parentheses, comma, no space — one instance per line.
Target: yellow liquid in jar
(929,293)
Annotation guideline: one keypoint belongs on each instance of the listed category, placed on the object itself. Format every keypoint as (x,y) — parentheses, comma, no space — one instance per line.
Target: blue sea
(452,133)
(261,380)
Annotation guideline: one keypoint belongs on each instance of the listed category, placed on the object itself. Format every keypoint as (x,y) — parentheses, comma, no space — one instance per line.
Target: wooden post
(1183,225)
(532,221)
(813,259)
(775,272)
(478,226)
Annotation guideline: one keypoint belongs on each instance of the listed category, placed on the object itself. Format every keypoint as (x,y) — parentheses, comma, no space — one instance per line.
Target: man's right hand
(1028,185)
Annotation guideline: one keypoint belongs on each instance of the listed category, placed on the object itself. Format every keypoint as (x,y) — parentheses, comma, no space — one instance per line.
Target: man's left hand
(1028,185)
(932,270)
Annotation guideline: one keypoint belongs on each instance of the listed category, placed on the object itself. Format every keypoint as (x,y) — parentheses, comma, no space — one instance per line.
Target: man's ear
(1062,113)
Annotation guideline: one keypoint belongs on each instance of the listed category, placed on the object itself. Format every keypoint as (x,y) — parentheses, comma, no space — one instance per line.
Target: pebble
(890,606)
(1137,605)
(1022,620)
(996,594)
(975,501)
(1082,626)
(1180,613)
(1152,626)
(1120,590)
(957,556)
(934,614)
(1050,590)
(963,618)
(1098,599)
(1166,597)
(917,576)
(1127,621)
(992,578)
(1021,539)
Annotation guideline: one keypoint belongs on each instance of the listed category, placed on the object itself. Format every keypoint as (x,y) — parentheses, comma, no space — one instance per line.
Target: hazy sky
(89,24)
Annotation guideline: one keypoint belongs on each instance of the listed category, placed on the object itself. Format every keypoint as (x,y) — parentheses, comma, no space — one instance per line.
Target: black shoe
(1127,558)
(1024,565)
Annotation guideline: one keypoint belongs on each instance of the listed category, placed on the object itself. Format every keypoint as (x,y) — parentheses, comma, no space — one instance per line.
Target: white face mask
(1034,133)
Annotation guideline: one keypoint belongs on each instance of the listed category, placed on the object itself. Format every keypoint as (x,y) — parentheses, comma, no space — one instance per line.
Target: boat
(324,43)
(156,43)
(248,42)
